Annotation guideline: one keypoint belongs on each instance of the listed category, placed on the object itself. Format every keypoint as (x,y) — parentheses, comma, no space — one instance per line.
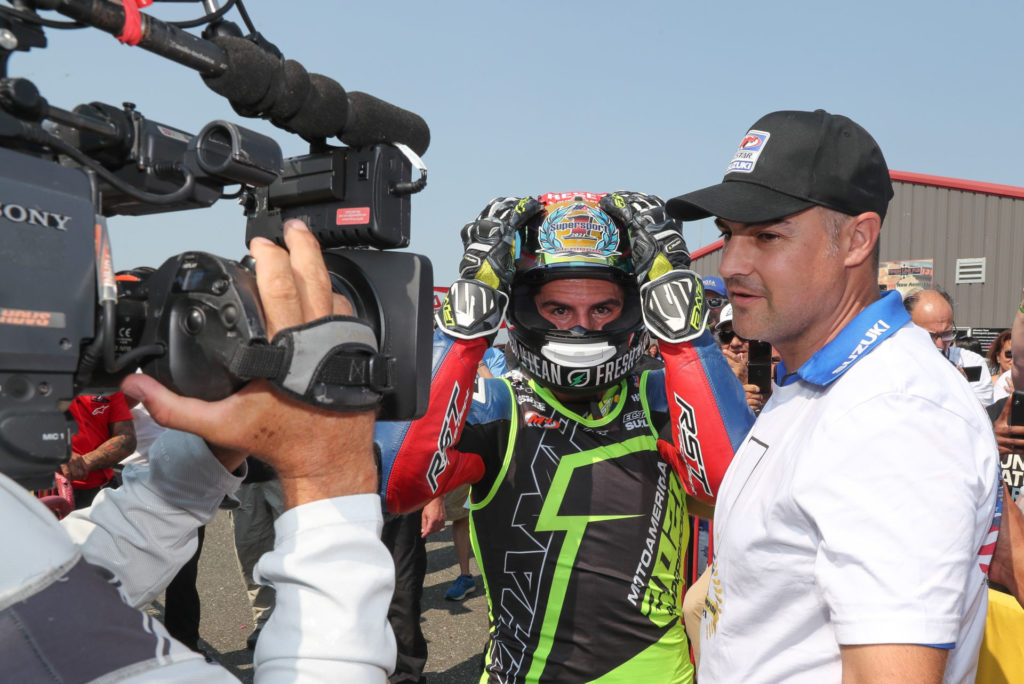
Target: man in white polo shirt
(853,528)
(933,311)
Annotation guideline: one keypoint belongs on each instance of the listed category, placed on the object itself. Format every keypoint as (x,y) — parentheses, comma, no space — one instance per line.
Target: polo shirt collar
(855,341)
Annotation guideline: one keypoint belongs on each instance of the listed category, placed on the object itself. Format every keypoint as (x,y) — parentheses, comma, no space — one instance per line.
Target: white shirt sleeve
(334,579)
(901,523)
(144,531)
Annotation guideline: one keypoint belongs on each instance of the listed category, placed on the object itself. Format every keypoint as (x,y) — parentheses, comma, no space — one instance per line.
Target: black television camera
(67,325)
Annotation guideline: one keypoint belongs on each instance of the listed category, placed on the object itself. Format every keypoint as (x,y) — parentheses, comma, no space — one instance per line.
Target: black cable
(245,17)
(148,197)
(205,19)
(115,365)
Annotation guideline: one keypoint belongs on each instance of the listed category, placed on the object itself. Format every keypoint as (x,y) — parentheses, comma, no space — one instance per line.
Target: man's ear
(862,234)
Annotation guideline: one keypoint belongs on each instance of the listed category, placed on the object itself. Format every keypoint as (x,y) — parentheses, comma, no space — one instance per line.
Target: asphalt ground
(455,631)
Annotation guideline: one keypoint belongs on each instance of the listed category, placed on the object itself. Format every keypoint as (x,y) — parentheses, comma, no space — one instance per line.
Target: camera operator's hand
(317,454)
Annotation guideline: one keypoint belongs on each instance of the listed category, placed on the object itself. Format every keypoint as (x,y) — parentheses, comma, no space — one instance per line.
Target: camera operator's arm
(332,575)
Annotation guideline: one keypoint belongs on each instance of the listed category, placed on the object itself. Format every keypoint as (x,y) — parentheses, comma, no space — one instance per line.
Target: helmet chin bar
(576,355)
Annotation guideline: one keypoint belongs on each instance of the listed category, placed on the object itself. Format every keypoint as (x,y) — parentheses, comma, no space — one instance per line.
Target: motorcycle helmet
(574,239)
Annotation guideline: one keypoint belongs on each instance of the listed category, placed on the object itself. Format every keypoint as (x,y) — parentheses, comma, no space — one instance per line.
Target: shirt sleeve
(901,523)
(334,579)
(145,530)
(118,408)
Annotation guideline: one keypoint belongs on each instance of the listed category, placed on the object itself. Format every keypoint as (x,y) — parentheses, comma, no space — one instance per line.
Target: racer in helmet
(581,466)
(574,245)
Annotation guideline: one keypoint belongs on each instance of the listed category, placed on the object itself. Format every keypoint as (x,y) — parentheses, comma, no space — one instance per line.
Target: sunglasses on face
(946,337)
(725,336)
(1007,353)
(715,302)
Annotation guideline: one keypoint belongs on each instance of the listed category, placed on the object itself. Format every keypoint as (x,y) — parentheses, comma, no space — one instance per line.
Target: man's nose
(736,258)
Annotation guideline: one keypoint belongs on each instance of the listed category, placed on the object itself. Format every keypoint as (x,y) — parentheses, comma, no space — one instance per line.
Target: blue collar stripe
(857,339)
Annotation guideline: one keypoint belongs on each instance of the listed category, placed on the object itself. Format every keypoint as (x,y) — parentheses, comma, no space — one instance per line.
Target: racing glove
(476,302)
(671,295)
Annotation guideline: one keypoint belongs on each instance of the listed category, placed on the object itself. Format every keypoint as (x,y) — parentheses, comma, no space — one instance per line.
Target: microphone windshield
(372,120)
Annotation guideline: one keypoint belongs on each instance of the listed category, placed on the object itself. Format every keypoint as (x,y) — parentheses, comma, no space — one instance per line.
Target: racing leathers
(578,511)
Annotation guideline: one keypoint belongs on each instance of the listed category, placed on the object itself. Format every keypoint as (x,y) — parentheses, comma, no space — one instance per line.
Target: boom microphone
(311,105)
(258,84)
(372,120)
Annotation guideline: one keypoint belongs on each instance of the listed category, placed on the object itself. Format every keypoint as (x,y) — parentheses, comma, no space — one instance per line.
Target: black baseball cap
(791,161)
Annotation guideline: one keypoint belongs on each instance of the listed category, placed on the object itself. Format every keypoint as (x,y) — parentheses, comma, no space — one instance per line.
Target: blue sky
(536,96)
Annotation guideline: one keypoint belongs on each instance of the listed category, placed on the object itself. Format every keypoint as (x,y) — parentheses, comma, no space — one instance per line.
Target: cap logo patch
(578,228)
(750,149)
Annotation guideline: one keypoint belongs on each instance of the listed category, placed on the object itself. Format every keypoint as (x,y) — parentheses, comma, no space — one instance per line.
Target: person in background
(1008,561)
(933,311)
(716,297)
(735,349)
(106,436)
(1000,361)
(260,503)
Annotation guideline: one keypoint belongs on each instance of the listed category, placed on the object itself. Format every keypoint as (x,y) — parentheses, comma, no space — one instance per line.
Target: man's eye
(767,237)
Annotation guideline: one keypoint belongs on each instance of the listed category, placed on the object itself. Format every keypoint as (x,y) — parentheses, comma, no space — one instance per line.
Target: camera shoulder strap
(330,363)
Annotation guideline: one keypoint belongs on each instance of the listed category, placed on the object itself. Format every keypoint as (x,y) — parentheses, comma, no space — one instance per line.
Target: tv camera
(67,325)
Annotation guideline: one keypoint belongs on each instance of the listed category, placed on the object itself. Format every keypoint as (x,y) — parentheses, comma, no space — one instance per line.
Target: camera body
(344,195)
(48,302)
(66,328)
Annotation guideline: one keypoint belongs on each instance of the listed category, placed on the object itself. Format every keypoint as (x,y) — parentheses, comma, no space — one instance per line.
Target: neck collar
(857,339)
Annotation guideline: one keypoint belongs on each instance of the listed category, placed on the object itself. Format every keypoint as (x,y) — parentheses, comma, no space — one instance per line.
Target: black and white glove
(671,296)
(489,242)
(673,306)
(657,240)
(476,302)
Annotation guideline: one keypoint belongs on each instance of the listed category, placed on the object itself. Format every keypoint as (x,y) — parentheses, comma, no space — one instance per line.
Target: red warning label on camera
(353,216)
(34,319)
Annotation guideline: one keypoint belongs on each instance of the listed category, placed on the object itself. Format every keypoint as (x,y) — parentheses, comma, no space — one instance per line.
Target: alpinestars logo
(450,426)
